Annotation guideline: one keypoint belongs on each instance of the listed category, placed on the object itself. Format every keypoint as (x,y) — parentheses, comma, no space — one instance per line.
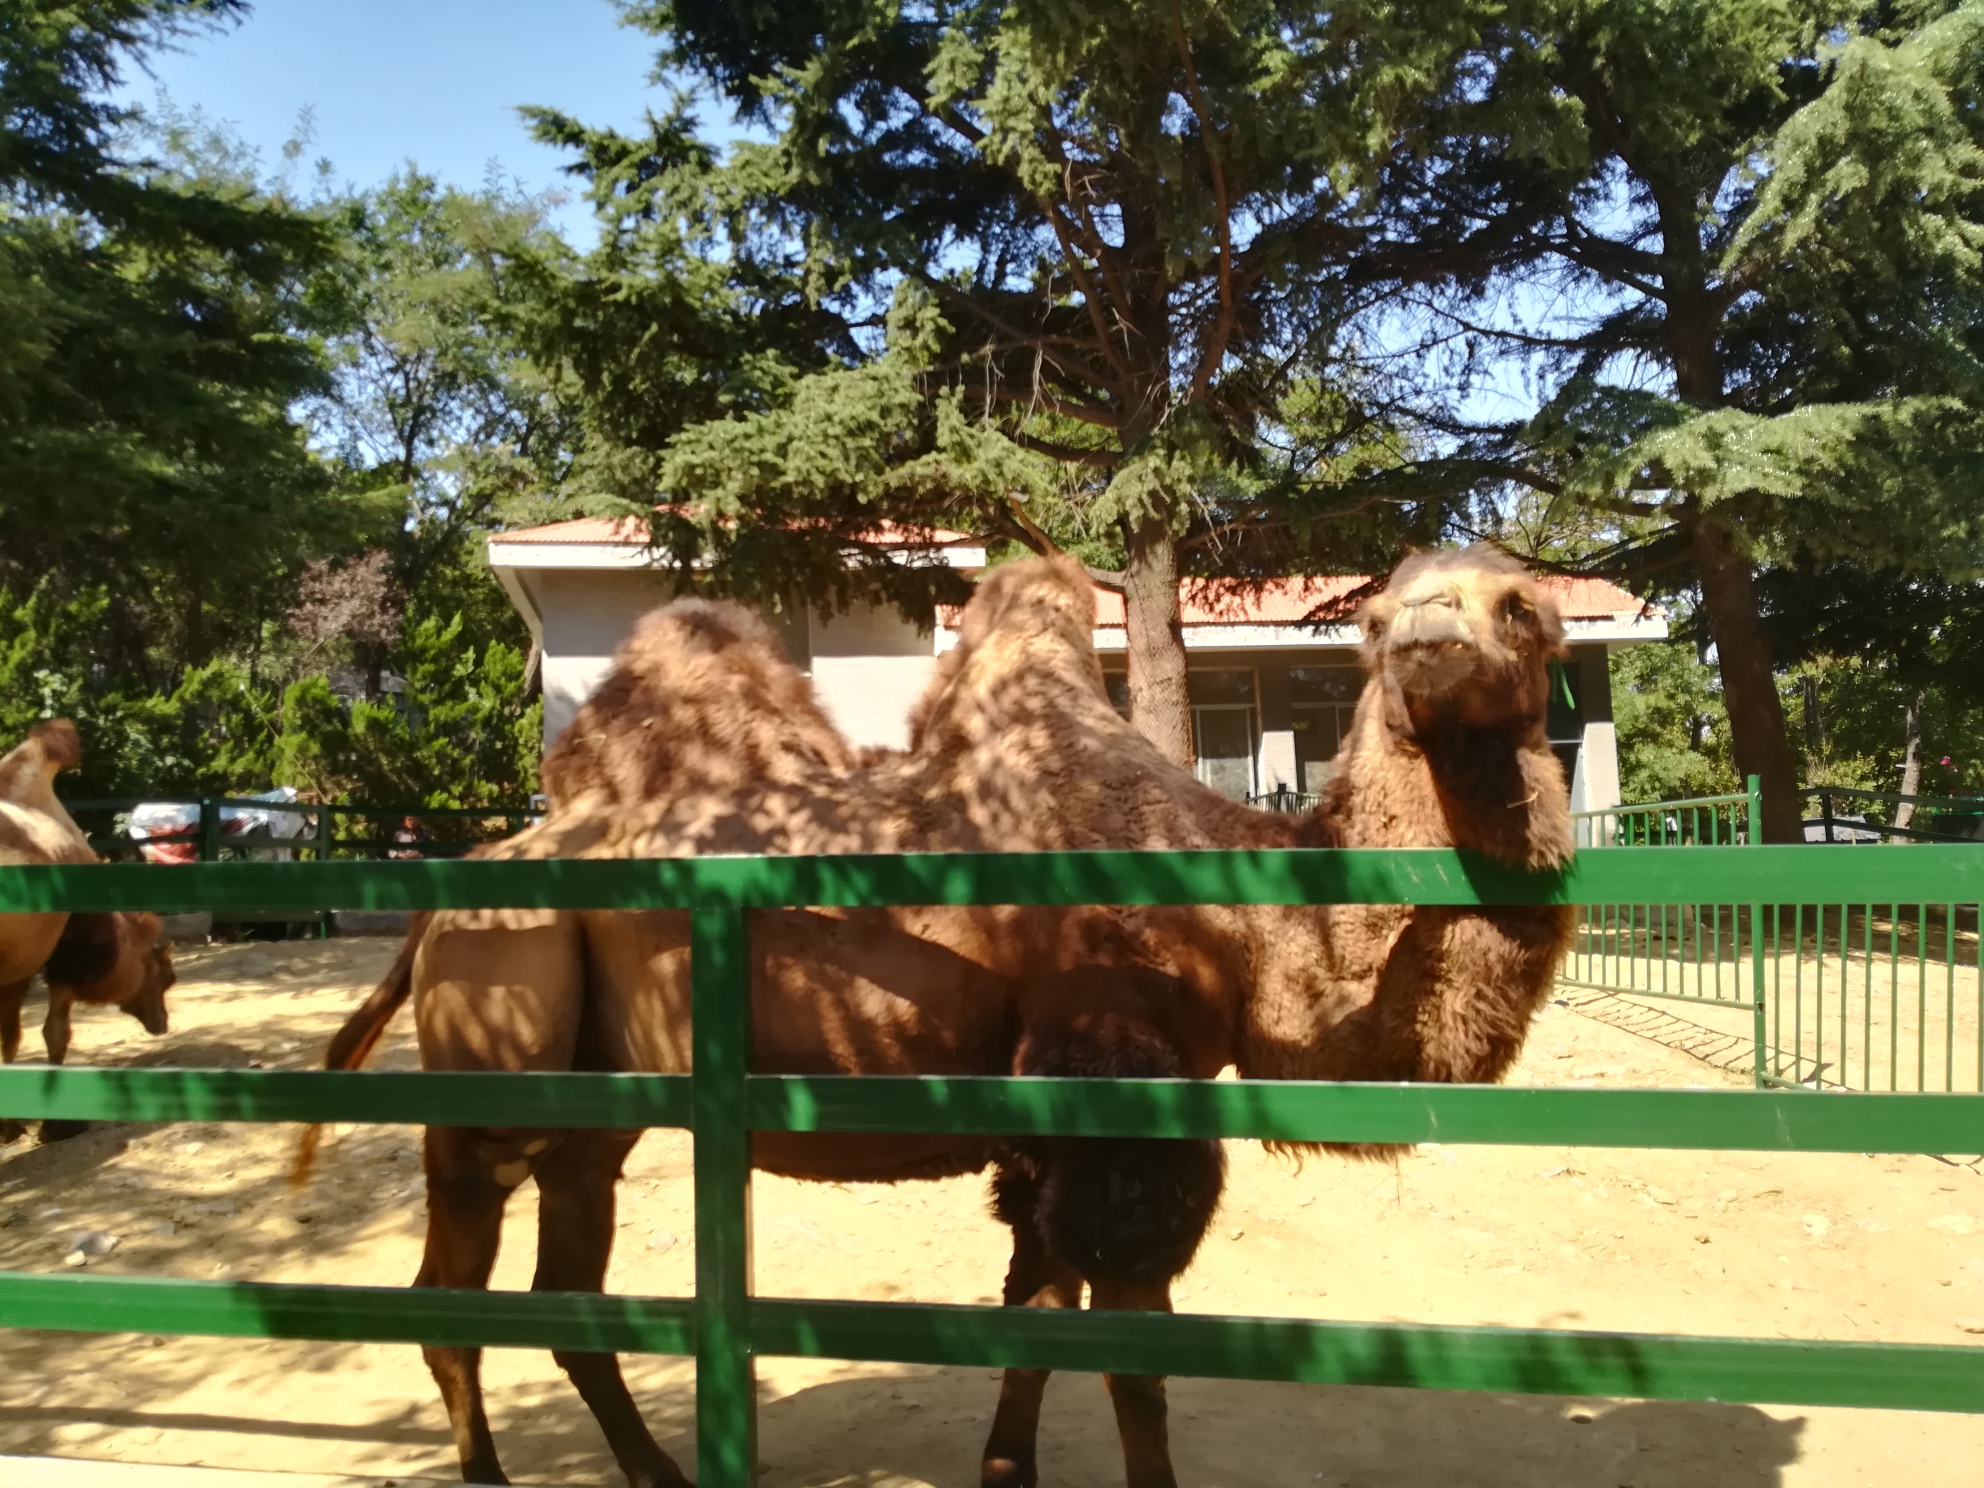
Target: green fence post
(1753,835)
(209,843)
(726,1378)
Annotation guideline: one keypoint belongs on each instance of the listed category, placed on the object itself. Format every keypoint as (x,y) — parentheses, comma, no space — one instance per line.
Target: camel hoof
(1003,1472)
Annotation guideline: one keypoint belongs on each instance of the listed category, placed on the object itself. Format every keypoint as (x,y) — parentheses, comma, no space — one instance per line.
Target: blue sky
(435,81)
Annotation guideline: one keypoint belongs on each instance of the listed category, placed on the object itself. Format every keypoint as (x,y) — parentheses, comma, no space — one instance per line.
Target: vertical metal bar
(1797,992)
(1819,1000)
(1949,997)
(726,1382)
(1777,984)
(1867,997)
(209,844)
(1893,996)
(1758,1062)
(1921,997)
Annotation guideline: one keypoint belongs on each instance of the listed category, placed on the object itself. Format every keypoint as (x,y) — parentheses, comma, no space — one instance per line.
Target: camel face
(1461,638)
(158,978)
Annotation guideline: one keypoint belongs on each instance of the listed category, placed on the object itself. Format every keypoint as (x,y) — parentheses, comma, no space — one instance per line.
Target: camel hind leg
(470,1176)
(1124,1214)
(576,1179)
(1034,1279)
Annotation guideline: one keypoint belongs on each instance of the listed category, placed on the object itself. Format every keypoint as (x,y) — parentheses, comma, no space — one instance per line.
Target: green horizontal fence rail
(724,1327)
(1854,993)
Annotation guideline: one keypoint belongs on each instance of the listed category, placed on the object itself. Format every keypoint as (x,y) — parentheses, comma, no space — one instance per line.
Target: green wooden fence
(725,1327)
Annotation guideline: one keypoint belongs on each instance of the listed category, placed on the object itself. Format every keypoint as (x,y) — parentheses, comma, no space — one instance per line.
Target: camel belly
(862,1157)
(26,942)
(830,994)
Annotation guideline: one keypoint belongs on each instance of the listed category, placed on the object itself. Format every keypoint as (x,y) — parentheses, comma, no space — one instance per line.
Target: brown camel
(704,739)
(98,958)
(35,829)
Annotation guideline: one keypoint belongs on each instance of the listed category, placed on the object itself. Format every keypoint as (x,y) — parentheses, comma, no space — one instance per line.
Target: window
(1321,701)
(1565,720)
(1225,730)
(1225,726)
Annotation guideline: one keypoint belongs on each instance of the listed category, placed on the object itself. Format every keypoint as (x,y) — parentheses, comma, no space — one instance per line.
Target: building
(1270,695)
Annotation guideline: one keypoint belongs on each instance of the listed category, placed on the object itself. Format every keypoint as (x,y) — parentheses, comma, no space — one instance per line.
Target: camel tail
(353,1044)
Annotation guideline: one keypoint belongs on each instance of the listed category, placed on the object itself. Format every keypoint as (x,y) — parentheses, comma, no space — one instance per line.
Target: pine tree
(1076,276)
(1770,214)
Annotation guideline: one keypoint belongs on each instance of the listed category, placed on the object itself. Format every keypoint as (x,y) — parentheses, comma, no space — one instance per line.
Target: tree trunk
(1911,761)
(1749,690)
(1155,641)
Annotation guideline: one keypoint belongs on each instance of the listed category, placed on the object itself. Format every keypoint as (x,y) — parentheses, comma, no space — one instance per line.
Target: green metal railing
(726,1328)
(1844,989)
(1934,819)
(443,831)
(1700,821)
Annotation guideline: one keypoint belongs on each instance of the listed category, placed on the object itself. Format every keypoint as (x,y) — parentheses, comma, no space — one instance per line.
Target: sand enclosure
(1808,1245)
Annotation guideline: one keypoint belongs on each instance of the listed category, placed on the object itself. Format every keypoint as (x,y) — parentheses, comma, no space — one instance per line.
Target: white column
(1277,762)
(1599,760)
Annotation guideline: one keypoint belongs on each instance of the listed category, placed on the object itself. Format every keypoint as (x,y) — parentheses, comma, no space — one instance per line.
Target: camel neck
(1485,789)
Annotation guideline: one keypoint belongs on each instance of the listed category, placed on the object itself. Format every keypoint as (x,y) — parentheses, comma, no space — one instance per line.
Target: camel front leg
(55,1027)
(1142,1416)
(469,1181)
(575,1187)
(11,998)
(1034,1279)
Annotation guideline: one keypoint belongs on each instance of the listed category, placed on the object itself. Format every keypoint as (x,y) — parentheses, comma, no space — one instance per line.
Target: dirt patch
(1809,1245)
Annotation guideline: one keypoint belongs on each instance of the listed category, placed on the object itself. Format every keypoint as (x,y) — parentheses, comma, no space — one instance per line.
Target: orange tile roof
(1290,601)
(1286,601)
(633,532)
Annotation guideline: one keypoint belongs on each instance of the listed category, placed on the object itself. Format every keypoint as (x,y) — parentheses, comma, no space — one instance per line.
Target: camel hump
(87,953)
(61,745)
(701,697)
(27,772)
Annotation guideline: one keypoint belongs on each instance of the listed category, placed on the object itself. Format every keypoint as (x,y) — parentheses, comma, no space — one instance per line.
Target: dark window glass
(1118,684)
(1565,720)
(1220,687)
(1332,684)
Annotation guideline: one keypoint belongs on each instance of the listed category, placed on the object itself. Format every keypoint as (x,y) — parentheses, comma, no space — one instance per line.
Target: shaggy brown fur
(705,739)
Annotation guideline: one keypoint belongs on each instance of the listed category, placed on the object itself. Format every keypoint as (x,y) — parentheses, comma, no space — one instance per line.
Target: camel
(704,739)
(112,958)
(34,828)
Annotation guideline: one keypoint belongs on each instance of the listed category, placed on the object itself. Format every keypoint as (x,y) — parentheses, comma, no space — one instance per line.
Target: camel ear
(1552,624)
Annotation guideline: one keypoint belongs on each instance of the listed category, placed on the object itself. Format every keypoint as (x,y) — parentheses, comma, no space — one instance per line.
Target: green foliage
(458,735)
(1072,275)
(1673,733)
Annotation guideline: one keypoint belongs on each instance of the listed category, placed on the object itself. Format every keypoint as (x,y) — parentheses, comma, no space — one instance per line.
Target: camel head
(1461,639)
(118,959)
(154,977)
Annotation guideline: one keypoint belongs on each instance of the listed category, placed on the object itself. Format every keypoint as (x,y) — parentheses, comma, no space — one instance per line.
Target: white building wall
(587,614)
(869,668)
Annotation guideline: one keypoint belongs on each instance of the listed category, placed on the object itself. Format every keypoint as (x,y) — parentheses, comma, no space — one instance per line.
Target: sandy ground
(1809,1245)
